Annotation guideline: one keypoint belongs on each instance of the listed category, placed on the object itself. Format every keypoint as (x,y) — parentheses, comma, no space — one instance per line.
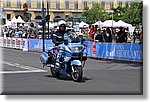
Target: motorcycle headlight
(76,49)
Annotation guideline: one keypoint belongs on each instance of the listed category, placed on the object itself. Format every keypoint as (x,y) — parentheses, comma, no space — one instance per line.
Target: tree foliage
(132,14)
(95,13)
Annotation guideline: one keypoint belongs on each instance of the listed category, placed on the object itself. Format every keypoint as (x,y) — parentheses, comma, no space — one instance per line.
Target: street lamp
(48,16)
(112,16)
(112,26)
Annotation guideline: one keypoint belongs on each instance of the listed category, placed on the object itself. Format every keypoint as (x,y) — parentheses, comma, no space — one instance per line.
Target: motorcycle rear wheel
(77,73)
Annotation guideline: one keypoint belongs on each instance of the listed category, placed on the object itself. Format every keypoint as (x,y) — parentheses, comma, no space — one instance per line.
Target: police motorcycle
(67,59)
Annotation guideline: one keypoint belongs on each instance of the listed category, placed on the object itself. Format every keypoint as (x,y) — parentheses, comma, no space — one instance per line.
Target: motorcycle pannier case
(46,58)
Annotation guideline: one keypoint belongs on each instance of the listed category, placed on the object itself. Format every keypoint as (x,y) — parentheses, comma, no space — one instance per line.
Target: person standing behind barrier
(86,35)
(17,33)
(5,32)
(33,32)
(91,33)
(98,36)
(141,37)
(134,36)
(121,36)
(13,33)
(107,35)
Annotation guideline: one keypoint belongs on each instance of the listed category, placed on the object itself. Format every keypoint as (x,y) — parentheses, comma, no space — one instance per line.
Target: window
(38,4)
(57,4)
(8,16)
(93,2)
(8,3)
(131,3)
(75,4)
(85,3)
(66,16)
(120,3)
(111,4)
(19,4)
(48,1)
(103,4)
(29,3)
(67,4)
(127,3)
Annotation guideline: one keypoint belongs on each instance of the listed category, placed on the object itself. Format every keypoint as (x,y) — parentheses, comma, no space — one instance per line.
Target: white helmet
(61,22)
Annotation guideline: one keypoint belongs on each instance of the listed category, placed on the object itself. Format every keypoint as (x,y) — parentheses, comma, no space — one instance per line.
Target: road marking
(28,69)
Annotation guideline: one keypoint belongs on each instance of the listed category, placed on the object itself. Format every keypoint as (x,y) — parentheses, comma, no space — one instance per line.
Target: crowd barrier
(17,43)
(117,51)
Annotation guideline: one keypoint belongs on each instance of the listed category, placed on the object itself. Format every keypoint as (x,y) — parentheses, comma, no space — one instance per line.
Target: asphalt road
(23,74)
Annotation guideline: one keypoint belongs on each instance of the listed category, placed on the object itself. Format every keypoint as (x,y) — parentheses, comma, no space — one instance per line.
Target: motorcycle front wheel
(77,73)
(54,72)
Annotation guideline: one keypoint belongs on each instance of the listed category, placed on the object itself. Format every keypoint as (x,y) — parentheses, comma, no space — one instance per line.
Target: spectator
(121,36)
(24,32)
(17,33)
(98,36)
(141,37)
(33,33)
(107,35)
(13,33)
(86,35)
(5,32)
(91,33)
(1,32)
(134,36)
(129,38)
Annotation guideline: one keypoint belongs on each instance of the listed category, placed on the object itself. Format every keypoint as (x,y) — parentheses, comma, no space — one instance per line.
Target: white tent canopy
(39,26)
(83,24)
(99,23)
(51,25)
(109,23)
(19,20)
(8,23)
(120,23)
(14,19)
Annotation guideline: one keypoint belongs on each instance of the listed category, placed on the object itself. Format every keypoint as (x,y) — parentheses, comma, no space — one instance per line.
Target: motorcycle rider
(58,36)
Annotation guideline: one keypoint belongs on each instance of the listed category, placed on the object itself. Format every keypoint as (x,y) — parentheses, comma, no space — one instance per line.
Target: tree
(95,13)
(133,15)
(119,13)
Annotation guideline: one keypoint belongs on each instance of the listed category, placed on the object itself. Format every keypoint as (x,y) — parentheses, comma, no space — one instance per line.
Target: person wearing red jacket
(91,33)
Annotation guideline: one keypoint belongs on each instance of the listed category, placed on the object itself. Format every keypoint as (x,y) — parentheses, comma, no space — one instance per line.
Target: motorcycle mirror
(66,42)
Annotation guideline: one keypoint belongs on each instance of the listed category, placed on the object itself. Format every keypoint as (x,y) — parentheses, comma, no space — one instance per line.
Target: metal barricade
(17,43)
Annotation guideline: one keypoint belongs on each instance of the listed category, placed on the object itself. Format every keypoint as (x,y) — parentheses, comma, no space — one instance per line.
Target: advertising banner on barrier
(130,52)
(37,45)
(124,51)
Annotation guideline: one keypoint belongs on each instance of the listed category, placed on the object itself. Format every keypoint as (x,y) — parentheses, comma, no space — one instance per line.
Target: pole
(48,15)
(112,18)
(43,24)
(113,40)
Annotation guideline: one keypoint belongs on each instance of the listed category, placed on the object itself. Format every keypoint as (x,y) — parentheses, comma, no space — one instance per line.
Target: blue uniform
(58,37)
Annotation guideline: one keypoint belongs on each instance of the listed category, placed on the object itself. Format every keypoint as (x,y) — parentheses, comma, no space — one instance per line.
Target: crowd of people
(20,32)
(118,35)
(93,34)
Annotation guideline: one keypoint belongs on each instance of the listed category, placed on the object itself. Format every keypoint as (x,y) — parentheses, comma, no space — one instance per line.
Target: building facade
(57,8)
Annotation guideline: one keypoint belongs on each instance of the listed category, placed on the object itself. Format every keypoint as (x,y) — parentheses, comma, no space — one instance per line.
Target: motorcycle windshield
(72,37)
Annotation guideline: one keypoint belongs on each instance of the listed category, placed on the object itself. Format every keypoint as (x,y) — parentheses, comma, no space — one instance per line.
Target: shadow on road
(84,79)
